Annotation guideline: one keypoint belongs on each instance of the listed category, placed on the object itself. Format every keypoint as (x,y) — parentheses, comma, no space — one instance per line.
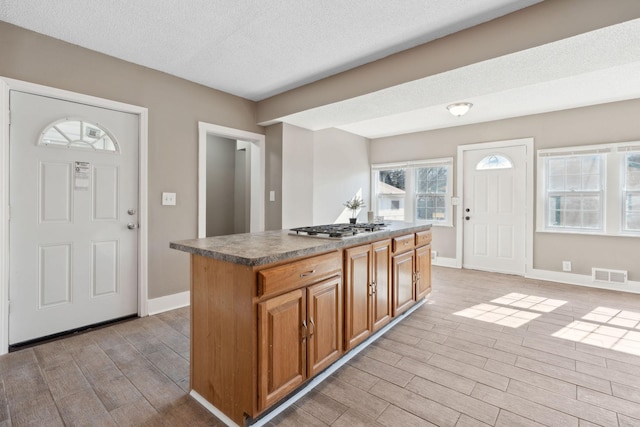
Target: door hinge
(9,117)
(9,212)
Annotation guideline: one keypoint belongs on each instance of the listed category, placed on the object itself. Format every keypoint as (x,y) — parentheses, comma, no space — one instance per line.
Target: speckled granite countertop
(268,247)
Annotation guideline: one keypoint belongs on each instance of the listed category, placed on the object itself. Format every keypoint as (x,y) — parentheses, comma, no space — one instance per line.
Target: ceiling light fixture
(460,108)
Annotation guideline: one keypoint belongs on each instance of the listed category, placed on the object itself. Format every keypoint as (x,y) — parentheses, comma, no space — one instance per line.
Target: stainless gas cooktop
(337,231)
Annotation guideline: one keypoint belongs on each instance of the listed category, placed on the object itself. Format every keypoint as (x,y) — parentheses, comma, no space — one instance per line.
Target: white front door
(73,237)
(494,209)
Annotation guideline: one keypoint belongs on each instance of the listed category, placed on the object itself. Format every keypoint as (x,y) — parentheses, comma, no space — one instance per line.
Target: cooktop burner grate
(338,230)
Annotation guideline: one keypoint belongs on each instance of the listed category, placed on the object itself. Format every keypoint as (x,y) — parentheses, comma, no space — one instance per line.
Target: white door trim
(529,209)
(257,186)
(7,84)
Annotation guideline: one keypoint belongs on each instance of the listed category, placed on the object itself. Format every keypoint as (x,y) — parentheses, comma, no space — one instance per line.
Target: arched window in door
(79,134)
(494,161)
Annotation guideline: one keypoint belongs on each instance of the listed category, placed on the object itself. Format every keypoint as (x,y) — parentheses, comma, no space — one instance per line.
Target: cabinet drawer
(298,273)
(403,243)
(423,238)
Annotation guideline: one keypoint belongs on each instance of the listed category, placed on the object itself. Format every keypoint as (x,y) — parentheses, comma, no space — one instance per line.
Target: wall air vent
(608,276)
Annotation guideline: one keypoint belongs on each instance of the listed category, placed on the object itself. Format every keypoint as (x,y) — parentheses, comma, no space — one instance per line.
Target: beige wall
(615,122)
(316,172)
(175,107)
(341,170)
(297,176)
(273,177)
(221,181)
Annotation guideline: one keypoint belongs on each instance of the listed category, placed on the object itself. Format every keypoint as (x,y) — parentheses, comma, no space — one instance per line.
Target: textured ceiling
(258,48)
(251,48)
(592,68)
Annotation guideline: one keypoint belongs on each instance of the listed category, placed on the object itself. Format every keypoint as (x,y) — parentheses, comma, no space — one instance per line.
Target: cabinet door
(357,274)
(324,319)
(381,270)
(403,282)
(423,271)
(282,346)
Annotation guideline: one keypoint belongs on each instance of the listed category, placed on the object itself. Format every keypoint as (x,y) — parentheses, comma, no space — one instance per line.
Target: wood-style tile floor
(486,350)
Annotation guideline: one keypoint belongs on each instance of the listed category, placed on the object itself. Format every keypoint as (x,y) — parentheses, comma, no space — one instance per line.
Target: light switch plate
(168,199)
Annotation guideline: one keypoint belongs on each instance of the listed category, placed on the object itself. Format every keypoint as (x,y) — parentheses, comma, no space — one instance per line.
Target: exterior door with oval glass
(73,250)
(494,209)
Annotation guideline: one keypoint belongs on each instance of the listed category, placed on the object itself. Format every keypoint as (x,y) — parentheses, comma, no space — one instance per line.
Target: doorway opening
(231,166)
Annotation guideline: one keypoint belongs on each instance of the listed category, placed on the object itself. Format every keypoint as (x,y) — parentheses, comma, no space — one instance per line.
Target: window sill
(589,233)
(436,224)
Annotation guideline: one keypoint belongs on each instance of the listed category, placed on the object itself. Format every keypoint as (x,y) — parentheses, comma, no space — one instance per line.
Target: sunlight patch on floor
(512,310)
(499,315)
(615,329)
(530,302)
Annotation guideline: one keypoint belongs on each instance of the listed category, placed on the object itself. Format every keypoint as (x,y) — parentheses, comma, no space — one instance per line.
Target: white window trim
(410,195)
(627,149)
(612,215)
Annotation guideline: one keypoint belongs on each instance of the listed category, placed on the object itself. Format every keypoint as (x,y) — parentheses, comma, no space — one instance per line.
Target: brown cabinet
(299,334)
(403,281)
(423,271)
(258,333)
(411,269)
(381,269)
(281,346)
(324,323)
(367,275)
(423,264)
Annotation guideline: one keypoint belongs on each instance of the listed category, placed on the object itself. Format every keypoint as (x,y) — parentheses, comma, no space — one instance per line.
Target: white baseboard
(560,277)
(169,302)
(445,262)
(581,280)
(215,411)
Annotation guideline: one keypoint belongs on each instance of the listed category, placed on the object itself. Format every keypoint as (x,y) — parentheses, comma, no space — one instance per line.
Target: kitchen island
(272,310)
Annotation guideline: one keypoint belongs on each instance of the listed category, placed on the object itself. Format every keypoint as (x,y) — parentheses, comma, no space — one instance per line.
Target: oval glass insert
(494,161)
(77,133)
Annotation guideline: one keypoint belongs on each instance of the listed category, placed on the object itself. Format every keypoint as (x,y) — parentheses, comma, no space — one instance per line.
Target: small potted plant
(354,204)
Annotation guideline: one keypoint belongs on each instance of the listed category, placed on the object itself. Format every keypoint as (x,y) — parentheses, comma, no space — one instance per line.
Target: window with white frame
(575,191)
(414,191)
(590,189)
(431,193)
(631,192)
(390,193)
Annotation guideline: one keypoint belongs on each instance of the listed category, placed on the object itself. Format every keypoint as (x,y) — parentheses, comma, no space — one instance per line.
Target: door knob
(467,218)
(132,226)
(131,211)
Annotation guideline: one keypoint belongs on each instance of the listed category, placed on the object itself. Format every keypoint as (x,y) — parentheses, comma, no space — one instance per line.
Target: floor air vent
(609,276)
